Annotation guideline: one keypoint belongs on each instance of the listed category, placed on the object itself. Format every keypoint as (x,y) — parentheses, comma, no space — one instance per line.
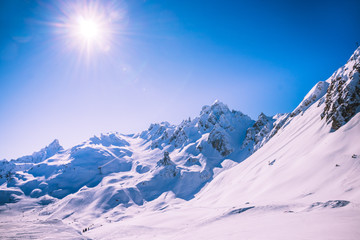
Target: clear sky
(158,60)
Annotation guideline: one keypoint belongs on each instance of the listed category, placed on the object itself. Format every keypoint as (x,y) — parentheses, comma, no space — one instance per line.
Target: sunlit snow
(221,175)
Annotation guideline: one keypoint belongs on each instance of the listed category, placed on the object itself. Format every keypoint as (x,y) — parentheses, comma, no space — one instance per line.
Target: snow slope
(218,176)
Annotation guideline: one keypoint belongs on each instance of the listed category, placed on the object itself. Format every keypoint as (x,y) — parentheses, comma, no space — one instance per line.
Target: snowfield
(221,175)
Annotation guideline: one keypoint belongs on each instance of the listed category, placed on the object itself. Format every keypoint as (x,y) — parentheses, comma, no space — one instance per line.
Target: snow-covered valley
(221,175)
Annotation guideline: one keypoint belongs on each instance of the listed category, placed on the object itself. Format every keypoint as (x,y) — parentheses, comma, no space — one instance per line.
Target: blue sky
(164,61)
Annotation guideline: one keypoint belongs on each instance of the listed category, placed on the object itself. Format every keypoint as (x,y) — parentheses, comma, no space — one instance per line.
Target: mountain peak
(54,144)
(53,148)
(218,102)
(50,150)
(220,106)
(342,100)
(217,108)
(262,116)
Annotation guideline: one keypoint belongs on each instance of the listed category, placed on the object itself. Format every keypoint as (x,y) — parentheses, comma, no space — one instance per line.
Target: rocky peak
(262,120)
(156,126)
(220,140)
(53,148)
(226,130)
(217,108)
(158,133)
(342,100)
(158,129)
(258,134)
(165,161)
(219,113)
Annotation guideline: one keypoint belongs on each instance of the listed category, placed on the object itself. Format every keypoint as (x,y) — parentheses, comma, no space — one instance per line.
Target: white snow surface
(218,176)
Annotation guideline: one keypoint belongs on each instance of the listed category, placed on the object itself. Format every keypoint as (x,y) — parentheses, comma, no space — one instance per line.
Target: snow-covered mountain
(196,146)
(221,175)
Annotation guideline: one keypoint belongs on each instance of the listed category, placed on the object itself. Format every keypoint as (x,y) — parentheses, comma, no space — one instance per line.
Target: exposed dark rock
(255,135)
(331,204)
(240,210)
(219,140)
(165,161)
(342,99)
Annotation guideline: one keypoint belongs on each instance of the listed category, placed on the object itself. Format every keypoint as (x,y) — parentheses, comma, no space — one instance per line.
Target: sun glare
(88,29)
(90,33)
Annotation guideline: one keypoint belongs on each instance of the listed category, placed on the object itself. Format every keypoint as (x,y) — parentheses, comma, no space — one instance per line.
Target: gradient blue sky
(166,60)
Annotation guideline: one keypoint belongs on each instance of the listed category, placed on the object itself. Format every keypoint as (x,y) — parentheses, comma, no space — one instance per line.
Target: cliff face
(257,134)
(342,100)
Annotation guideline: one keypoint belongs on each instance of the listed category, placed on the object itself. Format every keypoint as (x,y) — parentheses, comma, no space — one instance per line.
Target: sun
(88,29)
(89,33)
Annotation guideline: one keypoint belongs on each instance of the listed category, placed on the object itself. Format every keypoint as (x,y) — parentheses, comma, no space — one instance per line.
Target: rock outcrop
(342,100)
